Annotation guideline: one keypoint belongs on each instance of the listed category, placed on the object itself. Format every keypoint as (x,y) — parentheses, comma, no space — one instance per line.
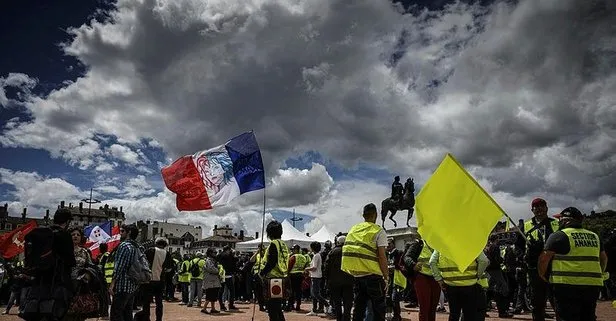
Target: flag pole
(517,227)
(254,304)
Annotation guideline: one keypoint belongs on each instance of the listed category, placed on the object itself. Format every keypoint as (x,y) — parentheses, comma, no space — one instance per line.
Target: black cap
(571,212)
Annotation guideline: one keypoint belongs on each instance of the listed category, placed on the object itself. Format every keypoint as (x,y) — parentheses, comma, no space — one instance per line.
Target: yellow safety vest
(453,276)
(281,267)
(483,281)
(581,265)
(424,259)
(359,253)
(221,272)
(300,264)
(399,279)
(259,264)
(184,277)
(528,225)
(108,267)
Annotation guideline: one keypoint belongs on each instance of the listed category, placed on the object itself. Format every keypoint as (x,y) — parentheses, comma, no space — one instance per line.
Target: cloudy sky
(342,96)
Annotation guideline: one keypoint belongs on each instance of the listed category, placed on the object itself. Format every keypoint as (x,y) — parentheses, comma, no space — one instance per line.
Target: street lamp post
(90,201)
(295,219)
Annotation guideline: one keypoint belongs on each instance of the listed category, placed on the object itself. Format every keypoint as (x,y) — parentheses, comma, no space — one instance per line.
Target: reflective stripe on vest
(185,276)
(528,225)
(300,264)
(581,265)
(453,276)
(259,264)
(424,259)
(108,269)
(359,253)
(221,272)
(281,267)
(483,281)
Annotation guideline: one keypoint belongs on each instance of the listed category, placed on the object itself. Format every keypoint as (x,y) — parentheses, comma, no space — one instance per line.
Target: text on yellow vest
(581,266)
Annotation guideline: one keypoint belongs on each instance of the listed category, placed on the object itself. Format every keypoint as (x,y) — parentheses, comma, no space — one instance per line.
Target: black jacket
(333,272)
(411,256)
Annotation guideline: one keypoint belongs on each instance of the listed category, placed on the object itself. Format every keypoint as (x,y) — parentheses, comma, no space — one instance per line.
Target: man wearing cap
(537,230)
(577,264)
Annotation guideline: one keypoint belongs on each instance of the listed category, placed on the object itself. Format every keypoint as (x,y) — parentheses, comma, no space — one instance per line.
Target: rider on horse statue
(397,192)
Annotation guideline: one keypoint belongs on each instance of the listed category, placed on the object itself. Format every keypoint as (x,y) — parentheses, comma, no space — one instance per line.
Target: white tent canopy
(290,235)
(323,235)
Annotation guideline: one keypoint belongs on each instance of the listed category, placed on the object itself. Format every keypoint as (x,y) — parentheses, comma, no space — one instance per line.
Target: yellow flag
(506,225)
(454,214)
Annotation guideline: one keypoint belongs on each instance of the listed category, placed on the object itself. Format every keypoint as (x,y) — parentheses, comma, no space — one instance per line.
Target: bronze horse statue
(406,203)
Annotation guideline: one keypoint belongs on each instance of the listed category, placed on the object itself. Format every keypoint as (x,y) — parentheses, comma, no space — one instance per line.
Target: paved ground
(173,311)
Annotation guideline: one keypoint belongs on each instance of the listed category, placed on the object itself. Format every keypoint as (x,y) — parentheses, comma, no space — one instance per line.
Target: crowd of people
(360,276)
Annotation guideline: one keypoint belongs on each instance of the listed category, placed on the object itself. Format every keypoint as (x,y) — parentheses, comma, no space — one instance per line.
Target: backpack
(139,270)
(38,251)
(195,269)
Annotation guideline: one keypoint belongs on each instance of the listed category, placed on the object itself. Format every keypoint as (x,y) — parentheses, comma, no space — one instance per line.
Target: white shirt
(316,262)
(157,263)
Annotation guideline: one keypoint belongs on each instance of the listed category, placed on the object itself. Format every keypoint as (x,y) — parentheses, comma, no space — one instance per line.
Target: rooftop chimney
(120,209)
(215,227)
(47,214)
(235,234)
(308,234)
(70,205)
(241,234)
(106,207)
(61,204)
(6,206)
(80,207)
(23,215)
(256,235)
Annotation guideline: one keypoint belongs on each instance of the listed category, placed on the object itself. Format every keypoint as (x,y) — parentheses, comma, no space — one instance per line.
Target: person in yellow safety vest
(364,257)
(461,287)
(196,279)
(416,258)
(297,265)
(184,277)
(106,264)
(537,230)
(396,279)
(276,266)
(257,259)
(578,261)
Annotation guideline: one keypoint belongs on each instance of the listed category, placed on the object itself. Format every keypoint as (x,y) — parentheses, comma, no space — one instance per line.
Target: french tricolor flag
(101,233)
(214,177)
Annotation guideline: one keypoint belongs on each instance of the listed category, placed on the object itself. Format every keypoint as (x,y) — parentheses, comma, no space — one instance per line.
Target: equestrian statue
(402,198)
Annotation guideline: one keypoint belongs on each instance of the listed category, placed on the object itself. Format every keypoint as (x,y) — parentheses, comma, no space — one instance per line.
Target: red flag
(112,242)
(13,243)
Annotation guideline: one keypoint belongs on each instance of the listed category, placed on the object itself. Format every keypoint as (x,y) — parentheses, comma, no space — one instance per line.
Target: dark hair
(274,230)
(161,241)
(210,252)
(370,209)
(102,247)
(78,229)
(62,215)
(315,246)
(132,230)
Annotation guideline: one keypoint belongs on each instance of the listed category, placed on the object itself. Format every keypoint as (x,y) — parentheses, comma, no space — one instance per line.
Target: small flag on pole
(454,214)
(214,177)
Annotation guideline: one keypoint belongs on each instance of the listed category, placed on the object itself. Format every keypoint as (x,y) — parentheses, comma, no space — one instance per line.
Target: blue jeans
(369,289)
(122,307)
(317,296)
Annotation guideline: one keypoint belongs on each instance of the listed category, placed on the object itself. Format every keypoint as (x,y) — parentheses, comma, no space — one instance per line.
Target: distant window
(19,225)
(154,230)
(9,226)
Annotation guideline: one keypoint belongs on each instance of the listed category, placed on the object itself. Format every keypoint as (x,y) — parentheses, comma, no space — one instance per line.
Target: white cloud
(17,80)
(37,191)
(124,153)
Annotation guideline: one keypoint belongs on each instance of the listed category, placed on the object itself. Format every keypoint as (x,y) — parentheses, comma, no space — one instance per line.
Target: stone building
(180,236)
(9,223)
(222,236)
(81,216)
